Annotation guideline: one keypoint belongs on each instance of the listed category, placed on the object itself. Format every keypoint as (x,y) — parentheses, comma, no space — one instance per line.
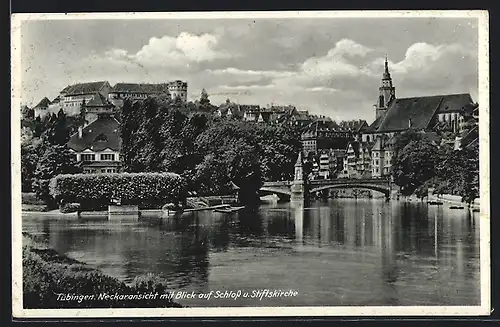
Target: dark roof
(374,126)
(56,100)
(355,147)
(417,112)
(409,112)
(455,102)
(140,88)
(104,128)
(353,125)
(98,100)
(44,103)
(84,88)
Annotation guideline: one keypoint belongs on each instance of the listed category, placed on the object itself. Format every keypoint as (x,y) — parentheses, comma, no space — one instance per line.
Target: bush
(70,207)
(96,191)
(47,274)
(30,198)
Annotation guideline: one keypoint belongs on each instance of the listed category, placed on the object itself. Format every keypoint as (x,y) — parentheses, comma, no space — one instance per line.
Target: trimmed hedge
(96,191)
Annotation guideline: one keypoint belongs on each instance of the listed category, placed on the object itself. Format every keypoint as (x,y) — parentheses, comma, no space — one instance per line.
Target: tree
(204,104)
(31,151)
(414,165)
(56,159)
(57,131)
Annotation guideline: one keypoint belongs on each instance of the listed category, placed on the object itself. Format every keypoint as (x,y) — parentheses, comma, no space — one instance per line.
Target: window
(111,170)
(100,138)
(108,156)
(376,162)
(88,157)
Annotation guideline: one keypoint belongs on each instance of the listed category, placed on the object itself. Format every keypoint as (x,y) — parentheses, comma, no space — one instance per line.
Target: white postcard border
(484,125)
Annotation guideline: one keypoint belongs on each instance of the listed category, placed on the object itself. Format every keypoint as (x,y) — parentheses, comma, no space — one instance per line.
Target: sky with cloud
(329,66)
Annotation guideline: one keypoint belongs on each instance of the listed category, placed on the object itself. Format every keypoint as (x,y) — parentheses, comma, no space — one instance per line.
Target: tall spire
(387,75)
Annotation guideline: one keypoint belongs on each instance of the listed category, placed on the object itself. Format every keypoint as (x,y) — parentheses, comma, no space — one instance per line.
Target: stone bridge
(300,188)
(284,188)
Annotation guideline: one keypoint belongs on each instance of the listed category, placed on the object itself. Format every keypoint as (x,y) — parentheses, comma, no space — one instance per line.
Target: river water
(333,253)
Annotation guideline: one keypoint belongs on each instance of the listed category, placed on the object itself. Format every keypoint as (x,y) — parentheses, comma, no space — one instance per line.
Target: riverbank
(52,281)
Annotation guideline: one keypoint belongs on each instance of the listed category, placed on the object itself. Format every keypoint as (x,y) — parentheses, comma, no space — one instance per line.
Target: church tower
(387,92)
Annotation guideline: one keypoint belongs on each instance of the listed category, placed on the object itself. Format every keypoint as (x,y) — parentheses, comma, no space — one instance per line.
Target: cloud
(167,51)
(347,77)
(336,61)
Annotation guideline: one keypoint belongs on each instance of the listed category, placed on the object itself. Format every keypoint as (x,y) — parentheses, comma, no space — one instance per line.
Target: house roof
(44,103)
(417,112)
(84,88)
(98,100)
(56,100)
(353,125)
(161,88)
(101,134)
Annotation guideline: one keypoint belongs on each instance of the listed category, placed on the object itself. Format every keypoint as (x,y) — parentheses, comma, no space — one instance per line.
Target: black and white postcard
(230,164)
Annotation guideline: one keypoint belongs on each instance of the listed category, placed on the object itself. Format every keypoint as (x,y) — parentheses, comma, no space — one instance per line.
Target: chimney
(80,132)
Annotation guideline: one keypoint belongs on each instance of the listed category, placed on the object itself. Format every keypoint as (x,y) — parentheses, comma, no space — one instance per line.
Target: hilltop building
(41,109)
(72,97)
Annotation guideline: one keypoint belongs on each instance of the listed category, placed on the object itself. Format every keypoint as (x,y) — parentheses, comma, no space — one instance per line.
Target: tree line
(423,161)
(214,154)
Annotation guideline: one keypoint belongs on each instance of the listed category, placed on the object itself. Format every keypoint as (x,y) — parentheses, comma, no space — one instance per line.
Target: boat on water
(229,210)
(434,202)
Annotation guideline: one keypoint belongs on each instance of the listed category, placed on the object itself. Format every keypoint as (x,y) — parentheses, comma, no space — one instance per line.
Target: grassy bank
(51,280)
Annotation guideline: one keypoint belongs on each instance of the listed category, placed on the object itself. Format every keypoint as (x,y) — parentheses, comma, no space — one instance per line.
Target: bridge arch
(278,191)
(385,190)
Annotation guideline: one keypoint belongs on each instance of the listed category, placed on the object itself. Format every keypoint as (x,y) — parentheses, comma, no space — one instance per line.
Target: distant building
(425,113)
(72,97)
(383,152)
(178,89)
(97,145)
(98,105)
(325,134)
(134,91)
(41,109)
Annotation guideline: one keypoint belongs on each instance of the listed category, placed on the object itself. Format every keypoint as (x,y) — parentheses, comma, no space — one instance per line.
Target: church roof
(101,134)
(417,112)
(455,102)
(84,88)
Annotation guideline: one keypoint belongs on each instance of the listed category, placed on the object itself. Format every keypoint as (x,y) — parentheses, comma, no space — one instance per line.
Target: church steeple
(387,75)
(387,92)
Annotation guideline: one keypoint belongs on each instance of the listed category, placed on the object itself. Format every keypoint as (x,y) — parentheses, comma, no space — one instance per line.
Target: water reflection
(342,252)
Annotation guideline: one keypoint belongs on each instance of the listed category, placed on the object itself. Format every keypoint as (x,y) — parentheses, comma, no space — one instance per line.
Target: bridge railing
(280,183)
(350,180)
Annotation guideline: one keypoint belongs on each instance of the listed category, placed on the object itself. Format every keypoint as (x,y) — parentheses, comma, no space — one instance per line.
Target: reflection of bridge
(313,186)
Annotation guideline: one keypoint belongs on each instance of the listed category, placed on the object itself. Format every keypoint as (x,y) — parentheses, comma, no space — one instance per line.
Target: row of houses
(274,114)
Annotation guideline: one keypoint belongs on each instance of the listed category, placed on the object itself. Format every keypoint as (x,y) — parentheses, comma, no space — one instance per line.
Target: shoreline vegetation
(54,281)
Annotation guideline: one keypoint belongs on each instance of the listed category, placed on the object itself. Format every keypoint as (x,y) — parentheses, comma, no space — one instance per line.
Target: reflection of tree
(220,235)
